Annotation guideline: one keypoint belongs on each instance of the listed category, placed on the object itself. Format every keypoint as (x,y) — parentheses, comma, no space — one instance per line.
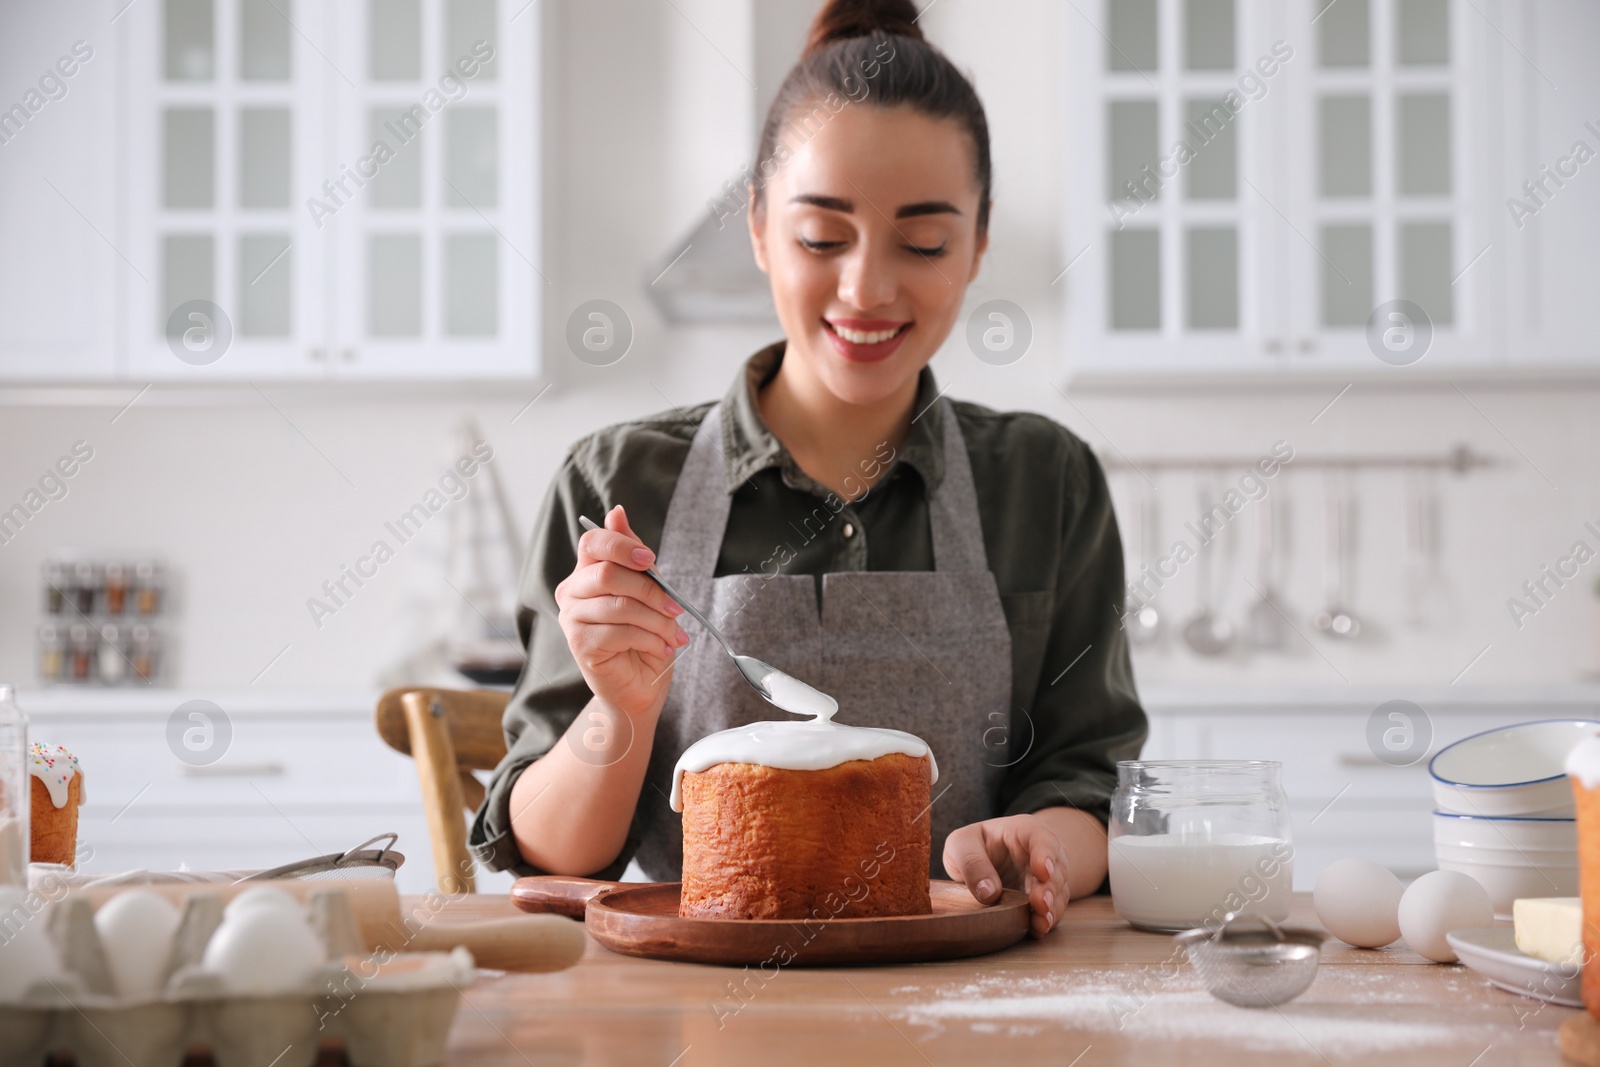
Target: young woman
(937,566)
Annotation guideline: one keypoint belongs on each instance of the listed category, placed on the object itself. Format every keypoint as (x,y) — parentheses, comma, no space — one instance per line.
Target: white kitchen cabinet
(350,191)
(60,269)
(1259,177)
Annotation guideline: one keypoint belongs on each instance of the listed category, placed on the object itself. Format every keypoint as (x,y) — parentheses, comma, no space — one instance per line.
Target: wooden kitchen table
(1094,992)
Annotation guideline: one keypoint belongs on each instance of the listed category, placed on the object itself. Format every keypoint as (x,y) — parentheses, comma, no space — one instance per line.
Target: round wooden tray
(641,919)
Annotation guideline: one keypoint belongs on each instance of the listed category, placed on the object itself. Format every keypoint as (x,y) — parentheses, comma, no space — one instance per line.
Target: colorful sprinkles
(55,767)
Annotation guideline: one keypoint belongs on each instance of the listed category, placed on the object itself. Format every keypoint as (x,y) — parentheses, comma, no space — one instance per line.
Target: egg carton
(387,1009)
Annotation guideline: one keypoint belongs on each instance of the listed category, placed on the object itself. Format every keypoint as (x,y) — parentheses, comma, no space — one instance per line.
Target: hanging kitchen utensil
(1269,626)
(1144,625)
(1207,632)
(1416,562)
(1336,619)
(483,566)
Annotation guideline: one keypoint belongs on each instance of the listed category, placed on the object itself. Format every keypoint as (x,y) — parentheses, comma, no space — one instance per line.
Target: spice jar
(110,659)
(83,588)
(80,653)
(116,588)
(52,653)
(55,588)
(144,652)
(146,588)
(1192,840)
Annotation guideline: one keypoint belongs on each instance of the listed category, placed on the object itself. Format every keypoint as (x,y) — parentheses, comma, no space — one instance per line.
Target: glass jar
(16,787)
(116,586)
(111,660)
(55,588)
(85,581)
(1192,840)
(52,653)
(80,653)
(144,653)
(146,588)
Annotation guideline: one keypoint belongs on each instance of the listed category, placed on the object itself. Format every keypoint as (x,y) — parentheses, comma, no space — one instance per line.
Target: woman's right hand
(621,626)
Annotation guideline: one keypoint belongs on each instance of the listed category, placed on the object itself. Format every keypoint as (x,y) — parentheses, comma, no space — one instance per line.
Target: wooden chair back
(449,733)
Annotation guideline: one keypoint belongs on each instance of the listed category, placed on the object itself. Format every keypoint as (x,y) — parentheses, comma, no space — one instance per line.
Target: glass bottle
(52,653)
(1192,840)
(55,588)
(147,588)
(116,588)
(84,581)
(110,658)
(80,653)
(15,790)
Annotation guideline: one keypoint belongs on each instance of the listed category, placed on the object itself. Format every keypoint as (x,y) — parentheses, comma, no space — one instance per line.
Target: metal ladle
(1268,626)
(763,677)
(1208,633)
(1254,967)
(1336,620)
(1144,625)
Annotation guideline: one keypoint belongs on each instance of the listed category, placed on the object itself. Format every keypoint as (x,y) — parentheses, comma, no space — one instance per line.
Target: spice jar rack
(104,621)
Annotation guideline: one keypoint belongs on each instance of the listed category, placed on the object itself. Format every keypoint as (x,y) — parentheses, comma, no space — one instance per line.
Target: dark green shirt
(1048,531)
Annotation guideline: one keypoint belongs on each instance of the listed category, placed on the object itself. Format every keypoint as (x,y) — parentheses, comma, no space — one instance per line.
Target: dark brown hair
(873,51)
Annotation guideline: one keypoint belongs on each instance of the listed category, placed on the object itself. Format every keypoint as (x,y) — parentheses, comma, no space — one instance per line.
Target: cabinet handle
(1306,344)
(348,354)
(1272,346)
(235,770)
(316,353)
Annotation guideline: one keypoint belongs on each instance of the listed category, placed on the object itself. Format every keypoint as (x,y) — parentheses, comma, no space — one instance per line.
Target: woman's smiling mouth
(865,340)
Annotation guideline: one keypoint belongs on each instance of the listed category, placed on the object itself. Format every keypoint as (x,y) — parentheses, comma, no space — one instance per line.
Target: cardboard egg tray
(388,1009)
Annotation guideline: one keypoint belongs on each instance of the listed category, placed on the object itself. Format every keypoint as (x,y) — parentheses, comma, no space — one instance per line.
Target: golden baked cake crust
(849,841)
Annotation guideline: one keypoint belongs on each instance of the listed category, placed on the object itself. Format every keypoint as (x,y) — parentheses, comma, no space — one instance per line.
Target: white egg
(262,896)
(1359,902)
(26,952)
(1438,903)
(136,929)
(264,951)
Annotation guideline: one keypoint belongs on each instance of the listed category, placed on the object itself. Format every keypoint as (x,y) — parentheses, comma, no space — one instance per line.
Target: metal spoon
(796,696)
(1268,627)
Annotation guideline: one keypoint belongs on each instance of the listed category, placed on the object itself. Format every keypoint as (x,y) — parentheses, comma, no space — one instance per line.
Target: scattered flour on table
(1179,1009)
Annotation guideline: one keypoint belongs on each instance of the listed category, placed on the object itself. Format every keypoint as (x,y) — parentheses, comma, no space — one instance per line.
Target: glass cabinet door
(226,119)
(1172,106)
(432,210)
(1388,253)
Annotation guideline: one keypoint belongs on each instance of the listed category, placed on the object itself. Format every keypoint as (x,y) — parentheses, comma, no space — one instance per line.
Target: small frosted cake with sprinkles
(57,791)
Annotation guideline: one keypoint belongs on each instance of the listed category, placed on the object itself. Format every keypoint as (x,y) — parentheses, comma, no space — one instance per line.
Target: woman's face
(870,238)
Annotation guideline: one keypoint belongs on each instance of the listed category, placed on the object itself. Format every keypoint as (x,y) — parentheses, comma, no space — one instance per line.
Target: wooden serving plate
(641,919)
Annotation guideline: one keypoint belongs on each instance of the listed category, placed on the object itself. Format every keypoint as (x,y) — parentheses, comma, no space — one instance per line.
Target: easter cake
(57,792)
(804,819)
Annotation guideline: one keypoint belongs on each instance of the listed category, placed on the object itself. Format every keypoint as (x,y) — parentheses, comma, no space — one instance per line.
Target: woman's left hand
(1016,852)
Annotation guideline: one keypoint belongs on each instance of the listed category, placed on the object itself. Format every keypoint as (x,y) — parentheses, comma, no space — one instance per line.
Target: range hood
(713,279)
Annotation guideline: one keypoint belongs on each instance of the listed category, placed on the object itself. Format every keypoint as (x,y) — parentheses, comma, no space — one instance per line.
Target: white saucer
(1492,952)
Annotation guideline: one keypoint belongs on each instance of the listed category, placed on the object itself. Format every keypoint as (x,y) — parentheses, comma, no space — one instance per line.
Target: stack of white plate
(1505,810)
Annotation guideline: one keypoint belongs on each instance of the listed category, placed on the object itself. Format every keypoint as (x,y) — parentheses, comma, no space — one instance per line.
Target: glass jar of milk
(1192,840)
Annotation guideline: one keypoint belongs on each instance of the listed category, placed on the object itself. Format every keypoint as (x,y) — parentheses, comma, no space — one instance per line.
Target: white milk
(1175,882)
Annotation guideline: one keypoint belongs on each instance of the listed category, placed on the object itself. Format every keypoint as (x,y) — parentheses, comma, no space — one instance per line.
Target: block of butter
(1550,929)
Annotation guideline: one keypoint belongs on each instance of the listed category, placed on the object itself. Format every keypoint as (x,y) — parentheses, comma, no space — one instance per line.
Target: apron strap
(953,510)
(697,516)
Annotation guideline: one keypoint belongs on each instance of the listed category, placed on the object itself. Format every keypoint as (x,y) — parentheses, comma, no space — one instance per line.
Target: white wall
(255,519)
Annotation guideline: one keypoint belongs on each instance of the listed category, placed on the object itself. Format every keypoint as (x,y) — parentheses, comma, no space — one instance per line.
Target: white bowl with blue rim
(1513,833)
(1509,771)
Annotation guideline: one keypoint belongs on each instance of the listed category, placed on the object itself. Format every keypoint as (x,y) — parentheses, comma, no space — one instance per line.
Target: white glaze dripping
(55,767)
(1583,762)
(812,745)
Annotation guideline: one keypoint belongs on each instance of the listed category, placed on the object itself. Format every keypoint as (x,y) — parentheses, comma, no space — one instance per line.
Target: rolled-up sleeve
(552,690)
(1085,714)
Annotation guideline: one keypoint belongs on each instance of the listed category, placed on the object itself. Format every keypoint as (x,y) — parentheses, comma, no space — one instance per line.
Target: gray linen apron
(927,652)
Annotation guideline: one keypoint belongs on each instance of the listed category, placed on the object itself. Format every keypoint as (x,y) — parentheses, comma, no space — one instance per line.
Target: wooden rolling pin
(526,943)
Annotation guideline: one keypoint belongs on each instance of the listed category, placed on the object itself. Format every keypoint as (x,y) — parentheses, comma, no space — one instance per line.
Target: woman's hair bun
(841,19)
